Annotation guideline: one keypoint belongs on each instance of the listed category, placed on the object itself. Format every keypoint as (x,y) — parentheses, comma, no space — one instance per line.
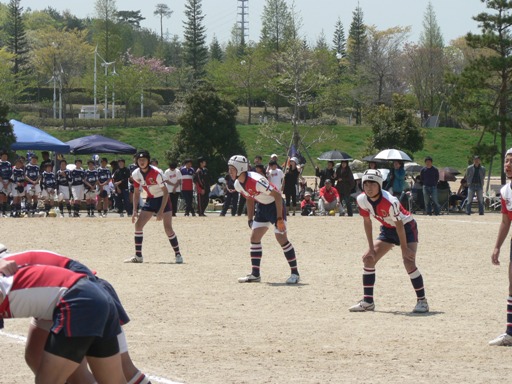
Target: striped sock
(289,253)
(368,284)
(68,206)
(417,283)
(139,378)
(509,315)
(138,243)
(174,243)
(256,254)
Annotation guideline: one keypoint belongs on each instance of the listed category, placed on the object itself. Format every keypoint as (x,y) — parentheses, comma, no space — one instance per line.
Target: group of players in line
(76,331)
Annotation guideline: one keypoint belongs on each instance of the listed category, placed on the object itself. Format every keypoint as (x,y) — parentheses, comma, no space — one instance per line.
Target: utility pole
(243,12)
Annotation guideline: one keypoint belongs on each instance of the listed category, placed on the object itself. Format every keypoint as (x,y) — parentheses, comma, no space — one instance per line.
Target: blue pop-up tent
(99,144)
(34,139)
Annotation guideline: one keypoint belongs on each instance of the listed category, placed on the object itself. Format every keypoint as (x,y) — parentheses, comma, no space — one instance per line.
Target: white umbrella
(392,154)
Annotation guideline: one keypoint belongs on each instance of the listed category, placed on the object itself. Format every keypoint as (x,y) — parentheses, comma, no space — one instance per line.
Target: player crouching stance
(270,210)
(157,201)
(398,228)
(505,339)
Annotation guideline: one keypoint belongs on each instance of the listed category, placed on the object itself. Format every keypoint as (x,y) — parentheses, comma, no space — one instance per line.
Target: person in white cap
(506,218)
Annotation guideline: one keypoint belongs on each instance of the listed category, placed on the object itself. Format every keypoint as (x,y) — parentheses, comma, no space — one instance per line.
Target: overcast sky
(453,16)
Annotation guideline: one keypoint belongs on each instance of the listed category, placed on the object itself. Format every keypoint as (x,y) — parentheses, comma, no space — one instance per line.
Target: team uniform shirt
(5,176)
(34,291)
(32,172)
(51,258)
(77,176)
(174,176)
(257,187)
(387,209)
(187,183)
(48,180)
(152,182)
(63,177)
(506,200)
(77,306)
(104,175)
(18,176)
(91,176)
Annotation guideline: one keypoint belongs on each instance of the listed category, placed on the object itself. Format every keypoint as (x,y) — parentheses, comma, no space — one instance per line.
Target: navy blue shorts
(78,267)
(153,205)
(267,213)
(86,309)
(389,235)
(121,312)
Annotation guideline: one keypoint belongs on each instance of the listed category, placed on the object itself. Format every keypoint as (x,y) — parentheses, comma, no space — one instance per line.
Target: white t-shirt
(174,177)
(276,176)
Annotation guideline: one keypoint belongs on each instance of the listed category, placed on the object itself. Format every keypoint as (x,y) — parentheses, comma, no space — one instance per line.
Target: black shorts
(76,348)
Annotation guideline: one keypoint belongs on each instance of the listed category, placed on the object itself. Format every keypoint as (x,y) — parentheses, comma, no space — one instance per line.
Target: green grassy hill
(448,146)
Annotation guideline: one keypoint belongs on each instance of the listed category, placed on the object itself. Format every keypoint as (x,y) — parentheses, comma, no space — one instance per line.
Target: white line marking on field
(22,340)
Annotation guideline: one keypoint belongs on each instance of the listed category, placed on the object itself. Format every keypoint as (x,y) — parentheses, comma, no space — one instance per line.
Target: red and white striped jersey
(34,291)
(387,209)
(257,187)
(152,181)
(38,257)
(506,200)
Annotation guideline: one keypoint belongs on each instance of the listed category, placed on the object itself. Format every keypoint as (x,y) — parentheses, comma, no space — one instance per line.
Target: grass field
(448,146)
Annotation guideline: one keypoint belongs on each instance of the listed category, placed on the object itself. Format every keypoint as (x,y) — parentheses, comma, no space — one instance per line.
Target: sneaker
(249,279)
(179,259)
(362,306)
(504,340)
(293,279)
(421,306)
(134,259)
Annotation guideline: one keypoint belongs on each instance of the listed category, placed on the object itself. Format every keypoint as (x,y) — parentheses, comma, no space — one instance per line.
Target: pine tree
(216,52)
(339,41)
(17,39)
(357,40)
(277,26)
(194,47)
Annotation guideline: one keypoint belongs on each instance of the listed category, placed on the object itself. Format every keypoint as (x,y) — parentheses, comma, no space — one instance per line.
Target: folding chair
(443,198)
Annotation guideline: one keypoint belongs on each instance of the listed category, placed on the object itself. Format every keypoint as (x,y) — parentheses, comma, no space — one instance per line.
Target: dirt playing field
(194,323)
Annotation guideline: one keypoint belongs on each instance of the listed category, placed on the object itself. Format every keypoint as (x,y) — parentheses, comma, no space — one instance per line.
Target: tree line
(360,73)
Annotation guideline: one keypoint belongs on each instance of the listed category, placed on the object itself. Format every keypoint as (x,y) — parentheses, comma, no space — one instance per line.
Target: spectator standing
(5,181)
(291,179)
(475,176)
(231,200)
(187,187)
(104,177)
(275,175)
(172,177)
(345,184)
(120,178)
(325,174)
(203,184)
(77,186)
(429,178)
(33,188)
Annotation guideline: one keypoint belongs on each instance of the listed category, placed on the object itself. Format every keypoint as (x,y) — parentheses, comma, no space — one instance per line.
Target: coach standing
(475,175)
(429,177)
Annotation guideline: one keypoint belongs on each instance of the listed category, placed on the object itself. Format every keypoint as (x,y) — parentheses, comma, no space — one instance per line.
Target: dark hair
(78,161)
(259,166)
(90,162)
(173,164)
(153,160)
(104,159)
(272,162)
(428,158)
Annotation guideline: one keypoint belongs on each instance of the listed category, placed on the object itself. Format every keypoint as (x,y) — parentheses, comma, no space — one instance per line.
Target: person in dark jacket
(203,184)
(345,184)
(327,173)
(429,178)
(120,178)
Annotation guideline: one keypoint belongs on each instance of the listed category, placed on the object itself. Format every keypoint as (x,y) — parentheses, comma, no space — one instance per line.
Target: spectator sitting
(329,198)
(218,191)
(308,206)
(461,195)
